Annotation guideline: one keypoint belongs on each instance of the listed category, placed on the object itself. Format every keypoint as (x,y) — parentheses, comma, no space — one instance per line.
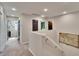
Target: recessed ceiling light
(13,9)
(45,9)
(42,16)
(64,12)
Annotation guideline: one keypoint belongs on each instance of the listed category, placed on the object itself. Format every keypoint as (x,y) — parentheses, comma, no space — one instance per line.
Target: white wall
(25,28)
(3,29)
(69,24)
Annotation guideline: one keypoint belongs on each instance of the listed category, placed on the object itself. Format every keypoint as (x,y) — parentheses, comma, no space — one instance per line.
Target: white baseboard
(32,52)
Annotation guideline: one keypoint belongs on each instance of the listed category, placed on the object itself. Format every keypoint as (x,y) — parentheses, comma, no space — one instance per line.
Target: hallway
(14,48)
(44,29)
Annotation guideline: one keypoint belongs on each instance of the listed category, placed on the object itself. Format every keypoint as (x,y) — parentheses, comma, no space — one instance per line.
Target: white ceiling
(54,8)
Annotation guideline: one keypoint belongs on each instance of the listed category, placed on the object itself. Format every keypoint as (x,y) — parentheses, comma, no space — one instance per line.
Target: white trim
(21,29)
(32,52)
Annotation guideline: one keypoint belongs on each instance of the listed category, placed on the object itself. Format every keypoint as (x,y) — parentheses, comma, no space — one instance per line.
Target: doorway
(13,28)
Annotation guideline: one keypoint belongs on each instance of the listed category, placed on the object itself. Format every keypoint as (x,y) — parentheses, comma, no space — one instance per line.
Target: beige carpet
(13,48)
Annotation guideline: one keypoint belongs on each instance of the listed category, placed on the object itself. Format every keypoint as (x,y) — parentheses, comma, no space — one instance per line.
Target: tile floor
(13,48)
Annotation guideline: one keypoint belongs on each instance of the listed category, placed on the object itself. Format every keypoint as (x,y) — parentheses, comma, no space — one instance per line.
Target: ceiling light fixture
(64,12)
(13,9)
(45,9)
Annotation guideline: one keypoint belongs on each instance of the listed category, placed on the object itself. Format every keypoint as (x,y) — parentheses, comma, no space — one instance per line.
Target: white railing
(44,45)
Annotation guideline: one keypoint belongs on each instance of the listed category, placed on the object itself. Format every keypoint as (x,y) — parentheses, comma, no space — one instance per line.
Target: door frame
(19,31)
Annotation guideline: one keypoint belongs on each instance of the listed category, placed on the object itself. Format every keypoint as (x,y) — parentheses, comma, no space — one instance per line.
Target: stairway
(42,45)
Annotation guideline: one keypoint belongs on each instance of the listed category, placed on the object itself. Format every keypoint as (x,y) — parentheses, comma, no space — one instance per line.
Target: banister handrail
(50,40)
(54,43)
